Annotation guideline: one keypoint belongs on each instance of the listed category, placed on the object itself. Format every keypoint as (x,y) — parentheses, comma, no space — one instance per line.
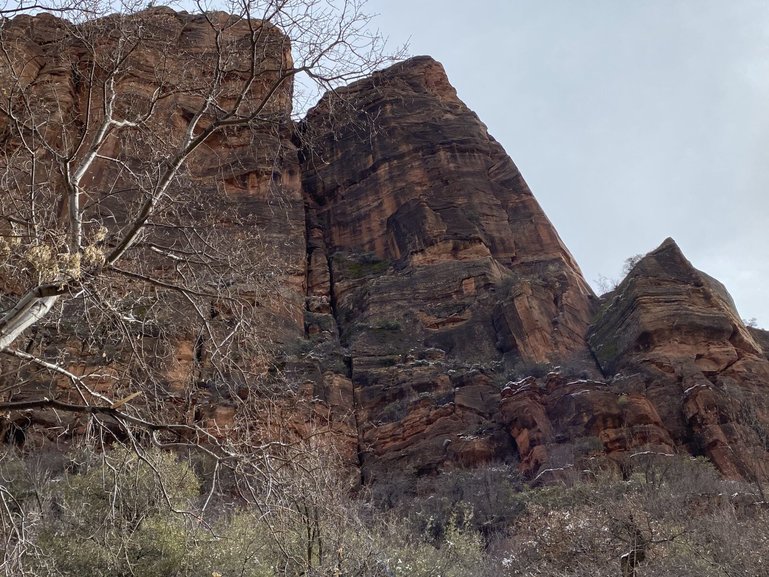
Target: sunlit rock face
(408,292)
(411,192)
(235,209)
(245,181)
(448,287)
(703,371)
(433,256)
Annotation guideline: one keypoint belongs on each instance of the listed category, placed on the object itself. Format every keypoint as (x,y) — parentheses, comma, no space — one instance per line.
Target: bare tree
(151,224)
(141,149)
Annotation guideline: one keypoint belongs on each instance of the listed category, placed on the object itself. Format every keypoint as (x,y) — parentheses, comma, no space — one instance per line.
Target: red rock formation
(422,289)
(237,205)
(682,374)
(411,188)
(559,423)
(761,337)
(701,369)
(427,237)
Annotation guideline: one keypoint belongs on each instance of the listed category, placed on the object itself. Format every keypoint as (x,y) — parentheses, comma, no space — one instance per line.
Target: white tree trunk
(25,314)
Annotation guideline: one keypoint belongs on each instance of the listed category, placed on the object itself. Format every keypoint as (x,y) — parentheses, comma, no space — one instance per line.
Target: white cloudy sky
(631,120)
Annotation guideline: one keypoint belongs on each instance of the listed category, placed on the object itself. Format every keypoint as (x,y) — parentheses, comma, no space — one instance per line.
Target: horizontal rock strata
(405,292)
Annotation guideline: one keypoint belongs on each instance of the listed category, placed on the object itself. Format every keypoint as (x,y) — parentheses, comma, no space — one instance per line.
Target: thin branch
(166,285)
(77,381)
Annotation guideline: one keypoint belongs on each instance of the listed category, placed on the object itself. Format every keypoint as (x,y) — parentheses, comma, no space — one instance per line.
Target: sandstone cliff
(698,366)
(232,222)
(434,258)
(424,307)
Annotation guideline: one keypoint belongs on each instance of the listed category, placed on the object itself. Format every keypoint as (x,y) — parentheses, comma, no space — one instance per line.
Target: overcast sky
(631,120)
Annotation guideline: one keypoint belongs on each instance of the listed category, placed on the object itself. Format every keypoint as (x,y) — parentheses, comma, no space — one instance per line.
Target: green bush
(112,517)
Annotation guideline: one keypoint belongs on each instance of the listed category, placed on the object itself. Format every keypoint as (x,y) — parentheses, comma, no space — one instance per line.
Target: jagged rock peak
(418,75)
(434,256)
(664,300)
(421,74)
(668,262)
(666,259)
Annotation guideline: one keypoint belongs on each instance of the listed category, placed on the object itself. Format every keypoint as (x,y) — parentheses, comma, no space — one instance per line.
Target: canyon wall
(421,309)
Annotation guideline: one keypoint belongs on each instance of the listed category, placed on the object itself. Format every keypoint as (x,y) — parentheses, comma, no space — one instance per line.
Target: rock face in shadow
(761,337)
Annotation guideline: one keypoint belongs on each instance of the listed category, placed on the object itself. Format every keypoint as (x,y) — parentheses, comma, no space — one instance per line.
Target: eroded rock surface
(432,255)
(702,370)
(421,300)
(682,374)
(235,213)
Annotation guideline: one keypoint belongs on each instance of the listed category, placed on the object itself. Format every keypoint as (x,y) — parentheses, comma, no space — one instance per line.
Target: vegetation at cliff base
(151,513)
